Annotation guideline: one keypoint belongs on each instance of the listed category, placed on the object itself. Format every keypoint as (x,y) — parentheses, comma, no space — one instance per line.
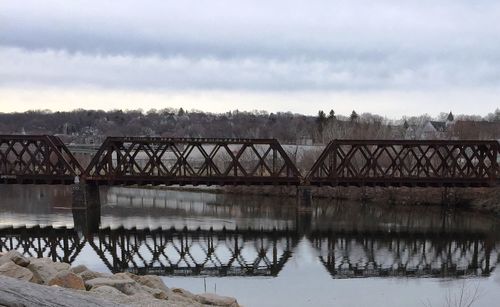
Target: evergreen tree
(331,115)
(450,117)
(354,116)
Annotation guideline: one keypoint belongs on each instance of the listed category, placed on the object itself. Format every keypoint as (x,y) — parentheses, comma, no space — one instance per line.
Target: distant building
(431,130)
(437,129)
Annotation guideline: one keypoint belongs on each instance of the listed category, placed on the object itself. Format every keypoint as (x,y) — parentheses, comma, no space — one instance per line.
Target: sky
(389,57)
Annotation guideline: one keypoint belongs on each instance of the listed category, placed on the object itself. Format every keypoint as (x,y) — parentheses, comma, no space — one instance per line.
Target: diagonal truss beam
(191,161)
(407,163)
(40,159)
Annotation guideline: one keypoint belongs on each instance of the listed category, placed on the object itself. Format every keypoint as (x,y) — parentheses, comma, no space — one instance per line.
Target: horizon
(438,116)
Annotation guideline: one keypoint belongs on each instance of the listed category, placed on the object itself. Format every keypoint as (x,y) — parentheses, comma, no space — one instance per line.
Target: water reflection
(176,233)
(348,255)
(258,253)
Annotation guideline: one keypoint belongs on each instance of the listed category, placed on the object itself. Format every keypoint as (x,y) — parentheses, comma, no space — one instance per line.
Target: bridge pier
(87,220)
(86,196)
(303,222)
(304,198)
(86,207)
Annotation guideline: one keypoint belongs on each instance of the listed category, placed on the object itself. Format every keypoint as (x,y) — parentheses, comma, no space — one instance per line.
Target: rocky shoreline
(26,281)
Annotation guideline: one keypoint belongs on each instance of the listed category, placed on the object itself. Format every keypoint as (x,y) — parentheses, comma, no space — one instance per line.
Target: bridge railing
(36,159)
(136,160)
(406,163)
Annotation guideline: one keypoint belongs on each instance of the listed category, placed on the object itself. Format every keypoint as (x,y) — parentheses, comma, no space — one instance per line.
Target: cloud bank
(331,49)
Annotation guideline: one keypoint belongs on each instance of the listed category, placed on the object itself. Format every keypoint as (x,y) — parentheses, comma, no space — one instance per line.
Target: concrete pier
(86,207)
(86,196)
(304,198)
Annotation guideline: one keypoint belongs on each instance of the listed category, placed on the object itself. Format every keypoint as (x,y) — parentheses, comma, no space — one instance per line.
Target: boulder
(4,260)
(88,274)
(108,291)
(126,286)
(184,293)
(151,281)
(67,279)
(156,293)
(10,269)
(139,299)
(15,257)
(20,293)
(44,269)
(79,269)
(216,300)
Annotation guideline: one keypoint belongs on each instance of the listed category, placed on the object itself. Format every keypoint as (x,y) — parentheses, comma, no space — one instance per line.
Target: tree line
(87,126)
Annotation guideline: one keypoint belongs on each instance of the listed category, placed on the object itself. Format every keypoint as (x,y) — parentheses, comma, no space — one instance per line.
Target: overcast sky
(388,57)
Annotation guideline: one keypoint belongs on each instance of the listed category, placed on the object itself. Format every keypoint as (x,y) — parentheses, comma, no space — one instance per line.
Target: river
(260,249)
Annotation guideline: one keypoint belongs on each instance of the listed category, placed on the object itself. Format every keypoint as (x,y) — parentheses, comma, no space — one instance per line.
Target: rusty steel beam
(43,159)
(191,161)
(432,163)
(37,159)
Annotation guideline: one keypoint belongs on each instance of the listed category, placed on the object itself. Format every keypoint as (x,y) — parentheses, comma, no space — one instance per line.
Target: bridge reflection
(377,254)
(212,253)
(160,251)
(261,253)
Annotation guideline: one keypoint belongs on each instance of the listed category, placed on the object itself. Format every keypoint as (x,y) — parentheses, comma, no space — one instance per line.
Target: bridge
(207,161)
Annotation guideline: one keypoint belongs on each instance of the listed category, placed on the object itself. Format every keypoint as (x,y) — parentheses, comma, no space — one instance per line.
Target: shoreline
(54,283)
(485,200)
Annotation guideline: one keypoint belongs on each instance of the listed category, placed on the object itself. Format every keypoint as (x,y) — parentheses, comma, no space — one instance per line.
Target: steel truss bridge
(168,161)
(262,253)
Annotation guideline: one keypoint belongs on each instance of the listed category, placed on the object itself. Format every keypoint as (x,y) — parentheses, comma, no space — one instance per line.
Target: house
(437,129)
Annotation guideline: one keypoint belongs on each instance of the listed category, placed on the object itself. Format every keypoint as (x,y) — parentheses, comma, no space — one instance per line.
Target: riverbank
(27,281)
(486,200)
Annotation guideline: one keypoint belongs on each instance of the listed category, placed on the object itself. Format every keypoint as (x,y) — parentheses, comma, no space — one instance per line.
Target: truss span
(169,161)
(407,163)
(38,159)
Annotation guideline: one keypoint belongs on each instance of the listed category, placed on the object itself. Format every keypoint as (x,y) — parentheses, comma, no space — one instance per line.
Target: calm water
(259,249)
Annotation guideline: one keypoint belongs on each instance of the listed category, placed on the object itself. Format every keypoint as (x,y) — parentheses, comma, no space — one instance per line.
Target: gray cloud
(418,45)
(49,67)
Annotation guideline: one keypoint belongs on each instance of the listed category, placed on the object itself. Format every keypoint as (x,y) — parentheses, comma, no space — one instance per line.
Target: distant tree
(321,120)
(494,117)
(331,115)
(354,116)
(450,117)
(321,116)
(181,112)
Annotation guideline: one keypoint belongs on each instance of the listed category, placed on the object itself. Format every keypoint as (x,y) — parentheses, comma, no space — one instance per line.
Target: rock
(79,269)
(67,279)
(151,281)
(88,274)
(19,293)
(156,293)
(13,270)
(183,292)
(127,286)
(139,299)
(216,300)
(108,290)
(121,276)
(4,260)
(44,269)
(15,257)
